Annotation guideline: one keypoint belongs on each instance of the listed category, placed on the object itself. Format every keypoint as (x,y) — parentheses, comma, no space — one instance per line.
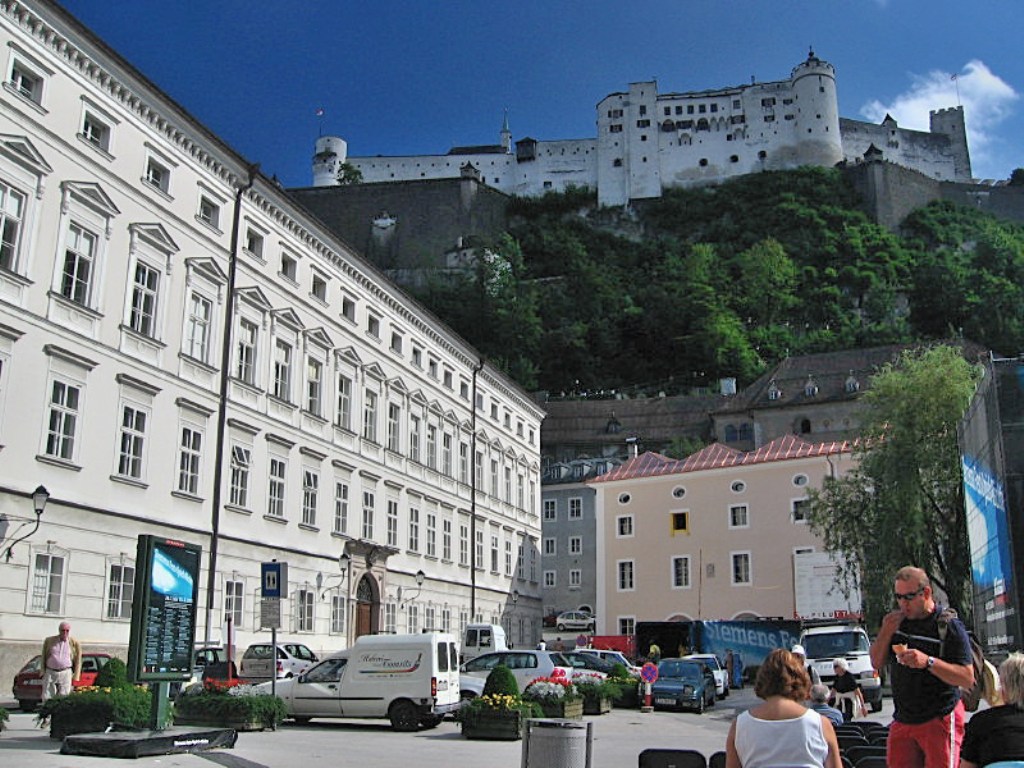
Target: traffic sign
(649,672)
(274,578)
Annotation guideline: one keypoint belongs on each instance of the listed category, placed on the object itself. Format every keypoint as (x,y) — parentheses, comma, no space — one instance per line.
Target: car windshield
(301,652)
(835,644)
(680,670)
(711,661)
(589,662)
(559,660)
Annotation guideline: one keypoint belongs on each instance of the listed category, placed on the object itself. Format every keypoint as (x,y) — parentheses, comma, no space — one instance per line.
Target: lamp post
(39,498)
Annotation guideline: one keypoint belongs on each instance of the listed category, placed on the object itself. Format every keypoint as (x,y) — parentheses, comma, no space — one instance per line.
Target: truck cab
(483,638)
(825,644)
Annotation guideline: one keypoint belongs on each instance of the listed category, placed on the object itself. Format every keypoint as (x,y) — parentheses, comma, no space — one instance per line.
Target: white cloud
(986,98)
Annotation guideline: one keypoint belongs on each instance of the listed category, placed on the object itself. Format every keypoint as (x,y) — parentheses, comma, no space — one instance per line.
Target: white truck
(483,638)
(827,643)
(413,680)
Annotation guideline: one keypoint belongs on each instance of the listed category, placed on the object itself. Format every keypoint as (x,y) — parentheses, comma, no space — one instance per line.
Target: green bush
(229,704)
(501,682)
(94,709)
(113,674)
(619,671)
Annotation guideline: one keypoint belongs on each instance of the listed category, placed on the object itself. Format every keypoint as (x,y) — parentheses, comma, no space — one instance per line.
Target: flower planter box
(628,698)
(596,705)
(217,721)
(496,726)
(569,710)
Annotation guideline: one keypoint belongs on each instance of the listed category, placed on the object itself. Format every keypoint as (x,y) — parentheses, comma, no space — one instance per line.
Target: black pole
(222,403)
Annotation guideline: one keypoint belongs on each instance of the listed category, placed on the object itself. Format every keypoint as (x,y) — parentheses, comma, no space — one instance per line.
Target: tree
(1017,177)
(349,174)
(903,504)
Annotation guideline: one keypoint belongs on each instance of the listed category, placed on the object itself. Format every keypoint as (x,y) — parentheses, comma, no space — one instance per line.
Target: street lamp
(39,498)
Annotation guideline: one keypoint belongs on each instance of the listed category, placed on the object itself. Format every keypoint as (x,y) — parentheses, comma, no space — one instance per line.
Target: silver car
(259,661)
(575,620)
(526,666)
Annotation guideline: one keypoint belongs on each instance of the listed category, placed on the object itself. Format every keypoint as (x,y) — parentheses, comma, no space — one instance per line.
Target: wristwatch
(931,662)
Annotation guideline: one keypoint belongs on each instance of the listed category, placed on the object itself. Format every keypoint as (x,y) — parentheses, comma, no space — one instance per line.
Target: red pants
(926,745)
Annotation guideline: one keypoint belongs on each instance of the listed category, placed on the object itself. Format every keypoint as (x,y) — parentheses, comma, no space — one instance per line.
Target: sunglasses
(909,595)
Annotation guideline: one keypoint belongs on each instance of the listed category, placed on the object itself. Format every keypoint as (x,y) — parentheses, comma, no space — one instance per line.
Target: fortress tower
(331,152)
(950,122)
(818,141)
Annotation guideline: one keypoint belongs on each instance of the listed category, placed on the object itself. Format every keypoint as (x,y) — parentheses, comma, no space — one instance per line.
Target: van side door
(317,692)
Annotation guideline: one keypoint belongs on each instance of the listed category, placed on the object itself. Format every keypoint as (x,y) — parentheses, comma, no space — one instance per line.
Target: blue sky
(420,76)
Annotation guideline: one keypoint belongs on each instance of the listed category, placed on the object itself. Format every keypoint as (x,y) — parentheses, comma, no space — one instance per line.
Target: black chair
(855,753)
(871,761)
(846,761)
(672,758)
(847,740)
(717,760)
(878,738)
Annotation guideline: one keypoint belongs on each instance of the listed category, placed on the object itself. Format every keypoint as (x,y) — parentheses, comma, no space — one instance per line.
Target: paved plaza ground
(618,739)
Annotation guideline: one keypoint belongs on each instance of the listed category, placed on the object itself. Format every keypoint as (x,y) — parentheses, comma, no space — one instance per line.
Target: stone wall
(407,226)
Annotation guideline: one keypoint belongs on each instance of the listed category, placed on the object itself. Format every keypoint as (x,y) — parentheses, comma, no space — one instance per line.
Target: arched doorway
(367,606)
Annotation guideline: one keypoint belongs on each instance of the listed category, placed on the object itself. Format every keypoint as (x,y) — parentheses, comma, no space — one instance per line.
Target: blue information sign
(274,579)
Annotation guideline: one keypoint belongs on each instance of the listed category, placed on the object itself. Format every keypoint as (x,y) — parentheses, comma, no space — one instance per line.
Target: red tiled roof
(717,455)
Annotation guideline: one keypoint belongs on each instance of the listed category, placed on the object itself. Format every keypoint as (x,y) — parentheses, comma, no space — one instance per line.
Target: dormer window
(851,385)
(810,388)
(774,393)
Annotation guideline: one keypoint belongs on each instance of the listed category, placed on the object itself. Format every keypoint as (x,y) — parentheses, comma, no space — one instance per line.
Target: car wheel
(301,720)
(26,706)
(561,627)
(431,722)
(466,695)
(403,716)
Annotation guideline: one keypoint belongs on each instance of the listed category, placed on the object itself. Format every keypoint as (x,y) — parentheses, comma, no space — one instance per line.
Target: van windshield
(835,644)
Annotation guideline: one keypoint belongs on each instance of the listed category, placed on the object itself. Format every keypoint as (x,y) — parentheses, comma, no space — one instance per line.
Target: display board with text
(164,609)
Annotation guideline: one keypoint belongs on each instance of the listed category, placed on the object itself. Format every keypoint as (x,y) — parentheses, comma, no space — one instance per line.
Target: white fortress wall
(557,165)
(495,168)
(929,153)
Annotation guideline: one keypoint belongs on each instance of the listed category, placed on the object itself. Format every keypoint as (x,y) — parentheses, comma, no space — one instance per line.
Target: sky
(408,77)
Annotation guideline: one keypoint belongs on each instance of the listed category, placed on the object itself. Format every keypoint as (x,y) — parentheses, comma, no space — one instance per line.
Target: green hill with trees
(677,292)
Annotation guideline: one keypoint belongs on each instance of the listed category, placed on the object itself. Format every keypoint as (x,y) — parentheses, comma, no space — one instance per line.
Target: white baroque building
(184,353)
(649,141)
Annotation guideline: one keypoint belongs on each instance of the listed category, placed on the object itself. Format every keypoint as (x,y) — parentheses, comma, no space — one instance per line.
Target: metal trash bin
(557,743)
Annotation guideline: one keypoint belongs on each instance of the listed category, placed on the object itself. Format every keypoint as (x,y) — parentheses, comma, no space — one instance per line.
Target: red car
(28,683)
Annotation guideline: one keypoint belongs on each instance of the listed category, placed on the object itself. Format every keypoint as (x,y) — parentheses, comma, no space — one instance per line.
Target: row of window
(48,591)
(740,572)
(427,531)
(738,516)
(575,509)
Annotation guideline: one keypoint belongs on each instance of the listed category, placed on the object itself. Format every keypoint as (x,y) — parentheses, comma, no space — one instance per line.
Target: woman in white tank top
(782,731)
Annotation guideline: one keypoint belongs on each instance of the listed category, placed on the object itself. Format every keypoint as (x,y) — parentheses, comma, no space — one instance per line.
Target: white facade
(348,418)
(649,141)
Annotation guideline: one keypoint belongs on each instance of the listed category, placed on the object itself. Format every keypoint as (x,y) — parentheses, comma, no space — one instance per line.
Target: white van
(483,638)
(413,680)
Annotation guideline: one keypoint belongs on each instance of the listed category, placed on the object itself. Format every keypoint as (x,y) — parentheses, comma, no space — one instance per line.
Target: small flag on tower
(953,76)
(319,111)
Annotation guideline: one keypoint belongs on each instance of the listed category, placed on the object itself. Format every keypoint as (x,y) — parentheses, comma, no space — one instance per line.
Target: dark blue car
(683,684)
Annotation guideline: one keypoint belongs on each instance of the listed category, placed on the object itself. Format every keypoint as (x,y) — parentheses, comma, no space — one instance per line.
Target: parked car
(720,673)
(413,680)
(589,662)
(615,657)
(575,620)
(525,665)
(28,682)
(292,659)
(683,684)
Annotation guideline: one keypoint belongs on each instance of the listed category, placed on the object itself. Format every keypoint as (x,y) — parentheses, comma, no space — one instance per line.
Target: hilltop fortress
(649,141)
